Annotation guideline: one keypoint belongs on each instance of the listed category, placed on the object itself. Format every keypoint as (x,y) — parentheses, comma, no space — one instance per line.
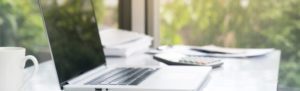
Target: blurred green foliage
(99,10)
(21,25)
(237,23)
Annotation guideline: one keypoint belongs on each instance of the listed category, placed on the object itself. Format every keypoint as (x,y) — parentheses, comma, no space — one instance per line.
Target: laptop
(80,62)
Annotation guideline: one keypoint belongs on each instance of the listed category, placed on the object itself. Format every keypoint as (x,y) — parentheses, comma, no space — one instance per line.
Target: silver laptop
(80,62)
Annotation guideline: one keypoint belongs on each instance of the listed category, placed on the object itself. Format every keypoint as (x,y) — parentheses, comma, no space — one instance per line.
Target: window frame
(141,16)
(153,21)
(124,14)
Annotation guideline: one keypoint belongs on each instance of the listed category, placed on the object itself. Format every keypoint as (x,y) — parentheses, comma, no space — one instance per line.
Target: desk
(244,74)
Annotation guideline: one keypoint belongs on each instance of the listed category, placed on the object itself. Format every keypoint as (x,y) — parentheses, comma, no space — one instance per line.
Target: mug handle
(36,68)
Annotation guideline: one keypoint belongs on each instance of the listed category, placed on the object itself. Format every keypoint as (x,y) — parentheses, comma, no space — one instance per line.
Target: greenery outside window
(237,23)
(21,24)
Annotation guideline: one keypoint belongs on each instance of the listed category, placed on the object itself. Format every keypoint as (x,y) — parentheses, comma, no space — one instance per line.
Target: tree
(237,23)
(21,25)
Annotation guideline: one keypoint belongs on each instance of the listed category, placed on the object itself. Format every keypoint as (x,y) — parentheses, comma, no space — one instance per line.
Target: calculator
(192,60)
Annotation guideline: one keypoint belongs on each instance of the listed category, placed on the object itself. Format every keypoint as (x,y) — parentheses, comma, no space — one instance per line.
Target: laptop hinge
(63,84)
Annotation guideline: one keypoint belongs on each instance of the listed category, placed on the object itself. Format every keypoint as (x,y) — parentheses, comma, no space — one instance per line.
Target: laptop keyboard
(123,76)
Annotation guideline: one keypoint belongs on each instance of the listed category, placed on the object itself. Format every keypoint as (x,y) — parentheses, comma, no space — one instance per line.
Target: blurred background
(228,23)
(21,24)
(238,23)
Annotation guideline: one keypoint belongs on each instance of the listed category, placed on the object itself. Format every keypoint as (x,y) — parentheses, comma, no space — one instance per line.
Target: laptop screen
(73,35)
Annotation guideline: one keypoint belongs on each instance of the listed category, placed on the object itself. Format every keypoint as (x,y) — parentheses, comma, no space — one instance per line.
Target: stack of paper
(123,43)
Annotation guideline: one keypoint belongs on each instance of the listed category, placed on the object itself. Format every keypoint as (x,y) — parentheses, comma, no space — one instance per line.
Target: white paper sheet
(228,52)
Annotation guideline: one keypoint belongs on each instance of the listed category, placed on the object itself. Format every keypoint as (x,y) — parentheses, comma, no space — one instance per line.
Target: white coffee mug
(12,63)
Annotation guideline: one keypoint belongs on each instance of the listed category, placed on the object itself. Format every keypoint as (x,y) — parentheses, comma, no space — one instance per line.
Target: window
(237,23)
(107,13)
(21,24)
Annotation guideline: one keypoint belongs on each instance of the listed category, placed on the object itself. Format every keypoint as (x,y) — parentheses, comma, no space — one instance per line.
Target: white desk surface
(243,74)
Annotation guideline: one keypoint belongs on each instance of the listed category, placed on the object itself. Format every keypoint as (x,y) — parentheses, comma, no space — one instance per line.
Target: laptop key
(123,76)
(118,76)
(107,75)
(131,79)
(128,78)
(142,77)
